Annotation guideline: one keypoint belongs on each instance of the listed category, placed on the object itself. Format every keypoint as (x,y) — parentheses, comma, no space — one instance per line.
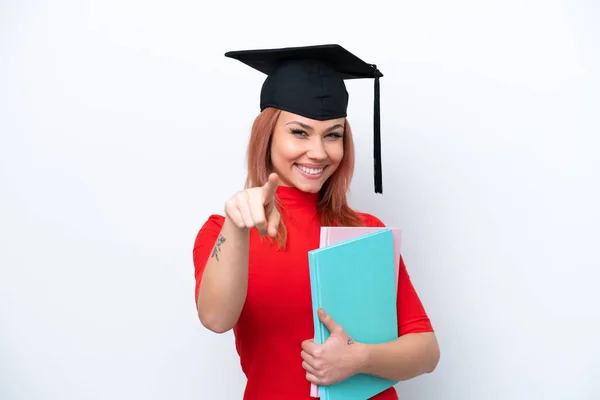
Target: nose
(316,150)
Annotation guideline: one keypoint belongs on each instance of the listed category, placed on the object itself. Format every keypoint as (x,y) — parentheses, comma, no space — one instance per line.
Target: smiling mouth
(310,171)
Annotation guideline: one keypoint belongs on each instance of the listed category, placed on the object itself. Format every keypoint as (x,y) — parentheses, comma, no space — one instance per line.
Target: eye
(335,135)
(298,132)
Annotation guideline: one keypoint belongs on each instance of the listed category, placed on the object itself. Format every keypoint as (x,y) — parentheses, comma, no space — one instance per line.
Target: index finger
(270,187)
(309,346)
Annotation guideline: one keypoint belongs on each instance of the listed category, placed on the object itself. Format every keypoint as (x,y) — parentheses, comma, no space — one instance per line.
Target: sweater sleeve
(203,245)
(412,317)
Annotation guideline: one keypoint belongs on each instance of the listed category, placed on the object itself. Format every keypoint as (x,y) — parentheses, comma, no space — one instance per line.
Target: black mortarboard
(309,81)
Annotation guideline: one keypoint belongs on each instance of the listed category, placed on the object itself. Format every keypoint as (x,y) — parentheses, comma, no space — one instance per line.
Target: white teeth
(310,171)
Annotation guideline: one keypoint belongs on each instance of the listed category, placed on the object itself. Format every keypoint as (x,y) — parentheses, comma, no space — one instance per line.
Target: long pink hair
(332,205)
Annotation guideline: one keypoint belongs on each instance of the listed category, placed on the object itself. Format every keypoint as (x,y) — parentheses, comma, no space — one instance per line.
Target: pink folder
(335,234)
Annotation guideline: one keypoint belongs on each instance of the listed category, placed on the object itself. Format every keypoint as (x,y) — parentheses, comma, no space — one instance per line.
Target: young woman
(251,264)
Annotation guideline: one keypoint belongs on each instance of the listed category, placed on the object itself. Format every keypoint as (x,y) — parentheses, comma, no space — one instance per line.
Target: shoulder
(213,220)
(210,228)
(370,220)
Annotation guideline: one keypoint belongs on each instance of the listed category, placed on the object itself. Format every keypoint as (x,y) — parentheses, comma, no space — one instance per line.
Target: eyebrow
(308,127)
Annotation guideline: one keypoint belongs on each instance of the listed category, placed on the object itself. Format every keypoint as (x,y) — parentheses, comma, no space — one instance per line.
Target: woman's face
(306,152)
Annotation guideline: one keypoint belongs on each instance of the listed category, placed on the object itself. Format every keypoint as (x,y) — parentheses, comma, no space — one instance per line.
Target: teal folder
(354,281)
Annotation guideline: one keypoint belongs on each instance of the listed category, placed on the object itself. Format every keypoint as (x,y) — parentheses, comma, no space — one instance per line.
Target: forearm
(225,280)
(408,356)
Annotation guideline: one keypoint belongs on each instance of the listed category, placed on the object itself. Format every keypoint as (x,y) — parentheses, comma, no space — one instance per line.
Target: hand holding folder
(355,281)
(332,360)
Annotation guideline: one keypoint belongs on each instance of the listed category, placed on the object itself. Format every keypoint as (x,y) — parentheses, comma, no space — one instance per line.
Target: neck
(291,197)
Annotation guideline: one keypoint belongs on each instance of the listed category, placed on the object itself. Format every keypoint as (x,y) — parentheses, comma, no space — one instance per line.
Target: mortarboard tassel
(377,136)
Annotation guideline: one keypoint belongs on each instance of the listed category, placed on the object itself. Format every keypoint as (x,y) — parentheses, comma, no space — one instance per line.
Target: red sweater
(277,315)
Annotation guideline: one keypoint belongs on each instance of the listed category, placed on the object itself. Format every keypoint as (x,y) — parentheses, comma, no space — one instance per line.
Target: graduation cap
(309,81)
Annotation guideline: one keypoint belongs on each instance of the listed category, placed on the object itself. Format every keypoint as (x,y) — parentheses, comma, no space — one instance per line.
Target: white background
(123,127)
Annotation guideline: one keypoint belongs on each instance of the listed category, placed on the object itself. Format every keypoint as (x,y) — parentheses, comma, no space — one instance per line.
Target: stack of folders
(354,277)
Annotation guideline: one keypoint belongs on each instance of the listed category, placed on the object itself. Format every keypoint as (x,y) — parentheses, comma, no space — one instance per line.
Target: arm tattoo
(217,247)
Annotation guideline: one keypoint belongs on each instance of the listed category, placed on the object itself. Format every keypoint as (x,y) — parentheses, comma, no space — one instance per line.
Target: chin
(310,187)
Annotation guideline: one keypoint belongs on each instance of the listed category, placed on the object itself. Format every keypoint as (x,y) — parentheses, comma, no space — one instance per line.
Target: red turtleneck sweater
(277,314)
